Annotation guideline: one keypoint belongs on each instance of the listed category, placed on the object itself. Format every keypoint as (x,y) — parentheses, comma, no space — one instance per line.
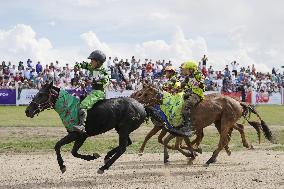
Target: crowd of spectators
(131,74)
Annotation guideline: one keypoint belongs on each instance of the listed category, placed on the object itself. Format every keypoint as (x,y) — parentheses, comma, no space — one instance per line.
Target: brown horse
(221,110)
(158,125)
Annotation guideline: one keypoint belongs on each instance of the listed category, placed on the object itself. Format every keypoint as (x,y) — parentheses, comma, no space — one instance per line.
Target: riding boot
(187,125)
(82,118)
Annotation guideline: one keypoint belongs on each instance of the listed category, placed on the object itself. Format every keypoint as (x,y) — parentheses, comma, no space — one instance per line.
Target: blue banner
(8,96)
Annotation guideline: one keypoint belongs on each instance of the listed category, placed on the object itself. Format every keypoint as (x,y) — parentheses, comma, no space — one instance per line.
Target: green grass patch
(103,145)
(14,116)
(271,114)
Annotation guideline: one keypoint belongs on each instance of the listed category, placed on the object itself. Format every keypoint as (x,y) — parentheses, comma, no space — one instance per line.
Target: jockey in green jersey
(100,80)
(193,88)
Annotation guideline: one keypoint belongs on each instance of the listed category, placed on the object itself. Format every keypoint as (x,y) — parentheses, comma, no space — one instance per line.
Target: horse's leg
(218,127)
(65,140)
(222,142)
(167,140)
(161,136)
(198,139)
(190,148)
(148,136)
(228,151)
(77,145)
(166,153)
(175,147)
(196,142)
(123,143)
(240,128)
(113,151)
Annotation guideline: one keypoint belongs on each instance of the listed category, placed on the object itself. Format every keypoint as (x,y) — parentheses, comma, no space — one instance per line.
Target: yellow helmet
(189,65)
(170,68)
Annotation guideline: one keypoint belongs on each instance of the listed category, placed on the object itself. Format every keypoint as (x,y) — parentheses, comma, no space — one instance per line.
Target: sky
(248,31)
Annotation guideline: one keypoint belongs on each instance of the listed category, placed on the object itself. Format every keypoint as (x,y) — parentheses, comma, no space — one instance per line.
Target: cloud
(21,42)
(52,23)
(179,49)
(92,42)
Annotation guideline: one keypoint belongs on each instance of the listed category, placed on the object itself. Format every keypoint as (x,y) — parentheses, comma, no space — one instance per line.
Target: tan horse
(221,110)
(158,125)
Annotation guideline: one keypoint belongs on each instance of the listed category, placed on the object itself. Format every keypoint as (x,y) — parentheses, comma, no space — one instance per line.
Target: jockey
(100,79)
(172,85)
(193,88)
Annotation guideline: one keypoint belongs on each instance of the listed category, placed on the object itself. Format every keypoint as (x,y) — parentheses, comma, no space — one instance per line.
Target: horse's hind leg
(123,143)
(148,136)
(196,142)
(218,127)
(65,140)
(113,151)
(222,142)
(166,141)
(240,128)
(161,136)
(77,145)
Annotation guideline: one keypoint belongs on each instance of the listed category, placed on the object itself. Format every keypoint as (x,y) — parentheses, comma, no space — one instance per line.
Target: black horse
(123,114)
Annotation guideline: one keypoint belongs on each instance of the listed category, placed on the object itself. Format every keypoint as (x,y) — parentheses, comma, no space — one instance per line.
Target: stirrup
(79,128)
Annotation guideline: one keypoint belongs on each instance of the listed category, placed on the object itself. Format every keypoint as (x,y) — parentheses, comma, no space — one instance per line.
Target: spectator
(38,68)
(109,63)
(204,71)
(204,60)
(29,63)
(274,71)
(235,67)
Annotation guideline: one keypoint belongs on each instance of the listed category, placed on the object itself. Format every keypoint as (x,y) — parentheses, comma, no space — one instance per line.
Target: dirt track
(247,169)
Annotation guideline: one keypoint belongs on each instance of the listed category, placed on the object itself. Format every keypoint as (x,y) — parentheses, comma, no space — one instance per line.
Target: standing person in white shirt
(108,63)
(219,83)
(13,70)
(235,66)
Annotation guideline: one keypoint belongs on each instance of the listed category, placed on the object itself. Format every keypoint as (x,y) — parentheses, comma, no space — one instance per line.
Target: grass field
(15,117)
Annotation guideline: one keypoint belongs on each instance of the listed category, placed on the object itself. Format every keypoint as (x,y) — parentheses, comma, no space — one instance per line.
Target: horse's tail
(248,109)
(257,126)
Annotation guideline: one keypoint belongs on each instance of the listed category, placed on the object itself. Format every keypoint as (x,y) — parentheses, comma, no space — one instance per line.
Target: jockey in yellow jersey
(172,85)
(193,88)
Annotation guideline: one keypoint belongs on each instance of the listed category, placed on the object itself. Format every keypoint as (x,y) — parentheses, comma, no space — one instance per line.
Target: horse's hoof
(100,171)
(229,153)
(211,161)
(190,162)
(166,162)
(96,155)
(251,147)
(206,165)
(199,150)
(63,169)
(106,160)
(140,154)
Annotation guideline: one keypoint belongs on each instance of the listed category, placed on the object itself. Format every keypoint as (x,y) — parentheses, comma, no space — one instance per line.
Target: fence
(24,96)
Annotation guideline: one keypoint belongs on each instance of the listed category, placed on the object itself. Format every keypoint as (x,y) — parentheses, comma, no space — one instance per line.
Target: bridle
(49,104)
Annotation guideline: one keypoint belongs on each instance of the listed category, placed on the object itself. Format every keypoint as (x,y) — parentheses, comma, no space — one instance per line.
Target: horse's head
(44,99)
(148,95)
